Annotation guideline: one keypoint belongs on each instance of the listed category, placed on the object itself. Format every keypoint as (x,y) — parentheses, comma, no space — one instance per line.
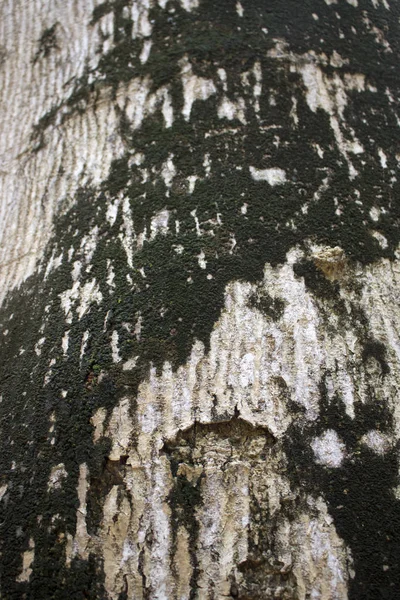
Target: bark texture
(200,266)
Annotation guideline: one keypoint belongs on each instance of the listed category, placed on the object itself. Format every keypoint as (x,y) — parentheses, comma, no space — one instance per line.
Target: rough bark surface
(200,350)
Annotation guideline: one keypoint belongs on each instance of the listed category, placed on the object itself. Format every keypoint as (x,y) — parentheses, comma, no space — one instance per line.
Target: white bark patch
(375,213)
(194,88)
(196,221)
(145,53)
(137,101)
(377,441)
(384,3)
(192,183)
(110,276)
(38,346)
(223,77)
(381,290)
(97,420)
(84,342)
(316,541)
(89,294)
(48,376)
(189,5)
(134,98)
(57,476)
(78,546)
(3,490)
(130,364)
(293,112)
(382,241)
(379,34)
(274,175)
(120,429)
(247,370)
(86,295)
(106,28)
(115,347)
(127,235)
(382,158)
(27,561)
(257,89)
(117,557)
(75,151)
(337,61)
(230,109)
(202,260)
(159,224)
(88,244)
(76,270)
(142,26)
(239,9)
(112,211)
(167,110)
(65,342)
(53,264)
(138,328)
(168,171)
(159,579)
(207,164)
(329,449)
(51,431)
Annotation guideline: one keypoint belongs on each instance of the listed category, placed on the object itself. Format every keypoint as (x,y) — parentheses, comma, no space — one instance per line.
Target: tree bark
(200,278)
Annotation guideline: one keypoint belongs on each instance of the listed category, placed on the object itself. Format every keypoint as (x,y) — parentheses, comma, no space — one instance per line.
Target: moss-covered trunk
(200,351)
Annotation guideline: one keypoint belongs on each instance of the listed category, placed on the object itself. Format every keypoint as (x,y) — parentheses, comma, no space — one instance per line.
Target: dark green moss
(316,281)
(101,10)
(377,350)
(272,307)
(47,42)
(360,494)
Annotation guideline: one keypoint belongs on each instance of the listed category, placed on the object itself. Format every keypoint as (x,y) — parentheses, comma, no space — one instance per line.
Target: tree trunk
(200,275)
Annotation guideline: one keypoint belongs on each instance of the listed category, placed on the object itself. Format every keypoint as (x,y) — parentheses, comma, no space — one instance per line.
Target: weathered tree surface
(200,282)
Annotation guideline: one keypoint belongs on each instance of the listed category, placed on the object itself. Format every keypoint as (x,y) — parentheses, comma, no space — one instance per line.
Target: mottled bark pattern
(200,357)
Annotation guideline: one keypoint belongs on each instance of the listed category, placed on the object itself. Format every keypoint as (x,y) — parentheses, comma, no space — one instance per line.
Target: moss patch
(177,301)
